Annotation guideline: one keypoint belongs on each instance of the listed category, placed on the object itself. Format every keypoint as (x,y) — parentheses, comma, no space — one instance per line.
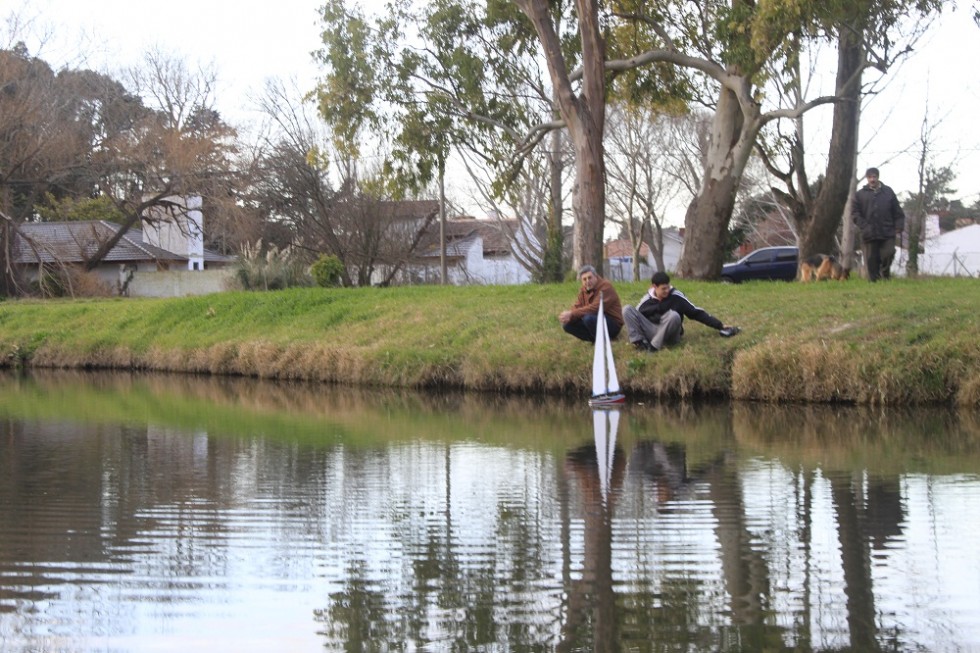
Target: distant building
(481,252)
(773,230)
(618,254)
(179,229)
(952,254)
(170,242)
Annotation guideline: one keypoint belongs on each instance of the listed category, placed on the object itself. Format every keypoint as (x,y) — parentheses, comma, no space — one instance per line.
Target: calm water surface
(157,513)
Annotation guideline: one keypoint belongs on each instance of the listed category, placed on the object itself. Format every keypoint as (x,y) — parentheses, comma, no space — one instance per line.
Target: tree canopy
(443,61)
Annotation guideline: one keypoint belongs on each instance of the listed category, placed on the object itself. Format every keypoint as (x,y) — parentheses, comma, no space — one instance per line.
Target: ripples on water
(254,517)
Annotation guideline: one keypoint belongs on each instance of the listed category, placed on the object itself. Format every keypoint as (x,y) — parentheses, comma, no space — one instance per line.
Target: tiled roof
(623,247)
(462,232)
(393,210)
(408,209)
(77,242)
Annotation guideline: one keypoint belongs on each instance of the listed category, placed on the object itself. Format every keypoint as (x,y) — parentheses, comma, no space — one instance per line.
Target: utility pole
(442,221)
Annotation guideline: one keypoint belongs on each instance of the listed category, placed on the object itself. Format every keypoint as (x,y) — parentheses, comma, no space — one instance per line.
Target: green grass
(905,341)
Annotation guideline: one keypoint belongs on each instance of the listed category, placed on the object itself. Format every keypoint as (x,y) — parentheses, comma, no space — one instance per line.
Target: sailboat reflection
(598,469)
(605,424)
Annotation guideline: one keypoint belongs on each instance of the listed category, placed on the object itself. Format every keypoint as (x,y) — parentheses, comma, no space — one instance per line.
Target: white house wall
(180,283)
(672,254)
(952,254)
(504,270)
(182,233)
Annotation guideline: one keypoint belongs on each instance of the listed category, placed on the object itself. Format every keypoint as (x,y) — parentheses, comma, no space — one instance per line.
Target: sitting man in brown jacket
(582,319)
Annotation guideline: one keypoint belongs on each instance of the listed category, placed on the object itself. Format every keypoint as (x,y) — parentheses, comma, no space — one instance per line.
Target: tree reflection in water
(306,517)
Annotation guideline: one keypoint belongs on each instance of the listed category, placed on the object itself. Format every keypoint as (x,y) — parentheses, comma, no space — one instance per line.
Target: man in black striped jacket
(658,320)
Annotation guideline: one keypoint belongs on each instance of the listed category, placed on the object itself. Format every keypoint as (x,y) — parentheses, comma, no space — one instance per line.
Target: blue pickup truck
(772,263)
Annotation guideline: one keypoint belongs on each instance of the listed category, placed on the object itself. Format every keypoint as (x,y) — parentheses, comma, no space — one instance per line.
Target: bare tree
(534,196)
(169,85)
(370,232)
(935,183)
(50,123)
(820,204)
(643,178)
(180,147)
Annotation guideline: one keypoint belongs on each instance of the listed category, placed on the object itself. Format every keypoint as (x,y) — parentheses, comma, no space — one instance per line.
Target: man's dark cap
(871,171)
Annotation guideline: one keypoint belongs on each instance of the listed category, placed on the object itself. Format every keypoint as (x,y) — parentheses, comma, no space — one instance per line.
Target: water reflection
(597,470)
(184,513)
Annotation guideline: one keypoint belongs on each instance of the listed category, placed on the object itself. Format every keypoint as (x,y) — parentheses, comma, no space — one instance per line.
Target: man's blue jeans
(585,328)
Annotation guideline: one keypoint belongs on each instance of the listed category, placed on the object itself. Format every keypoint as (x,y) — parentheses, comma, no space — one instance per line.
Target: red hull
(607,400)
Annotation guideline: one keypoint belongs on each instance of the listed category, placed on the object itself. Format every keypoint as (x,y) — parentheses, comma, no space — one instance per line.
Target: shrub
(70,281)
(327,271)
(270,269)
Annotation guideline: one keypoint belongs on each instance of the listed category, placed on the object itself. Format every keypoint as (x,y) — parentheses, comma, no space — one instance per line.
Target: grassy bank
(895,343)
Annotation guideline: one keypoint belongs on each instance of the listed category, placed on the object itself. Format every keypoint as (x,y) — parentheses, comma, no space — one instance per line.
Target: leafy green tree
(722,54)
(442,77)
(52,125)
(88,208)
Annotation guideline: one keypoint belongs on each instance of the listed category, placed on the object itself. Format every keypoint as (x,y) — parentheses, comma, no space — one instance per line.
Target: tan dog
(821,267)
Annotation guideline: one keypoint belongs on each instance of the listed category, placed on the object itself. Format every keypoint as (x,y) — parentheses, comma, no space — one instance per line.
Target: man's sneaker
(643,345)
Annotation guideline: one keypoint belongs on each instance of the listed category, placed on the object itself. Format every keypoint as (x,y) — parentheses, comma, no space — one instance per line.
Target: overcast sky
(250,41)
(247,41)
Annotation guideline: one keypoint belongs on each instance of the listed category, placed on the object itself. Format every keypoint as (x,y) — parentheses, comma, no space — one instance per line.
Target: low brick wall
(180,283)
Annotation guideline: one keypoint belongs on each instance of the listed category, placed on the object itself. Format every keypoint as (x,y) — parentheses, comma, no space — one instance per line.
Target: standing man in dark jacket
(583,317)
(880,218)
(658,319)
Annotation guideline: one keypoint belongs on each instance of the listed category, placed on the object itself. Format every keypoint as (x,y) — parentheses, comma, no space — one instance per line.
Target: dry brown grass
(787,371)
(968,394)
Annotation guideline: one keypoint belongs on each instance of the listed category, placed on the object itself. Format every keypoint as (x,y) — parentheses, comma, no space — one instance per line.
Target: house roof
(77,242)
(395,210)
(623,247)
(461,234)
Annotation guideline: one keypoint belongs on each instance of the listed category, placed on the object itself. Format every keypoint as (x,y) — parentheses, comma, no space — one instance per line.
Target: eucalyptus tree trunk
(637,243)
(849,237)
(657,235)
(553,267)
(706,222)
(588,197)
(819,234)
(7,281)
(584,113)
(443,272)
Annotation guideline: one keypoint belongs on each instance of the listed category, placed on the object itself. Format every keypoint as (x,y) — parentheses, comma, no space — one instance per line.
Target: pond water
(174,513)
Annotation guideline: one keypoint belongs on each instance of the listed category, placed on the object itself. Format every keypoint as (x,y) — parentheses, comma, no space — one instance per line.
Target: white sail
(612,381)
(604,379)
(599,358)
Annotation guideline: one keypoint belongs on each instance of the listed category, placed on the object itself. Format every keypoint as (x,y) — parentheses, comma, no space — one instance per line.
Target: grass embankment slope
(905,341)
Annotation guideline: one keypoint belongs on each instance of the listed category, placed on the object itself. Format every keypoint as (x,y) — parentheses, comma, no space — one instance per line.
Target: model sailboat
(605,383)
